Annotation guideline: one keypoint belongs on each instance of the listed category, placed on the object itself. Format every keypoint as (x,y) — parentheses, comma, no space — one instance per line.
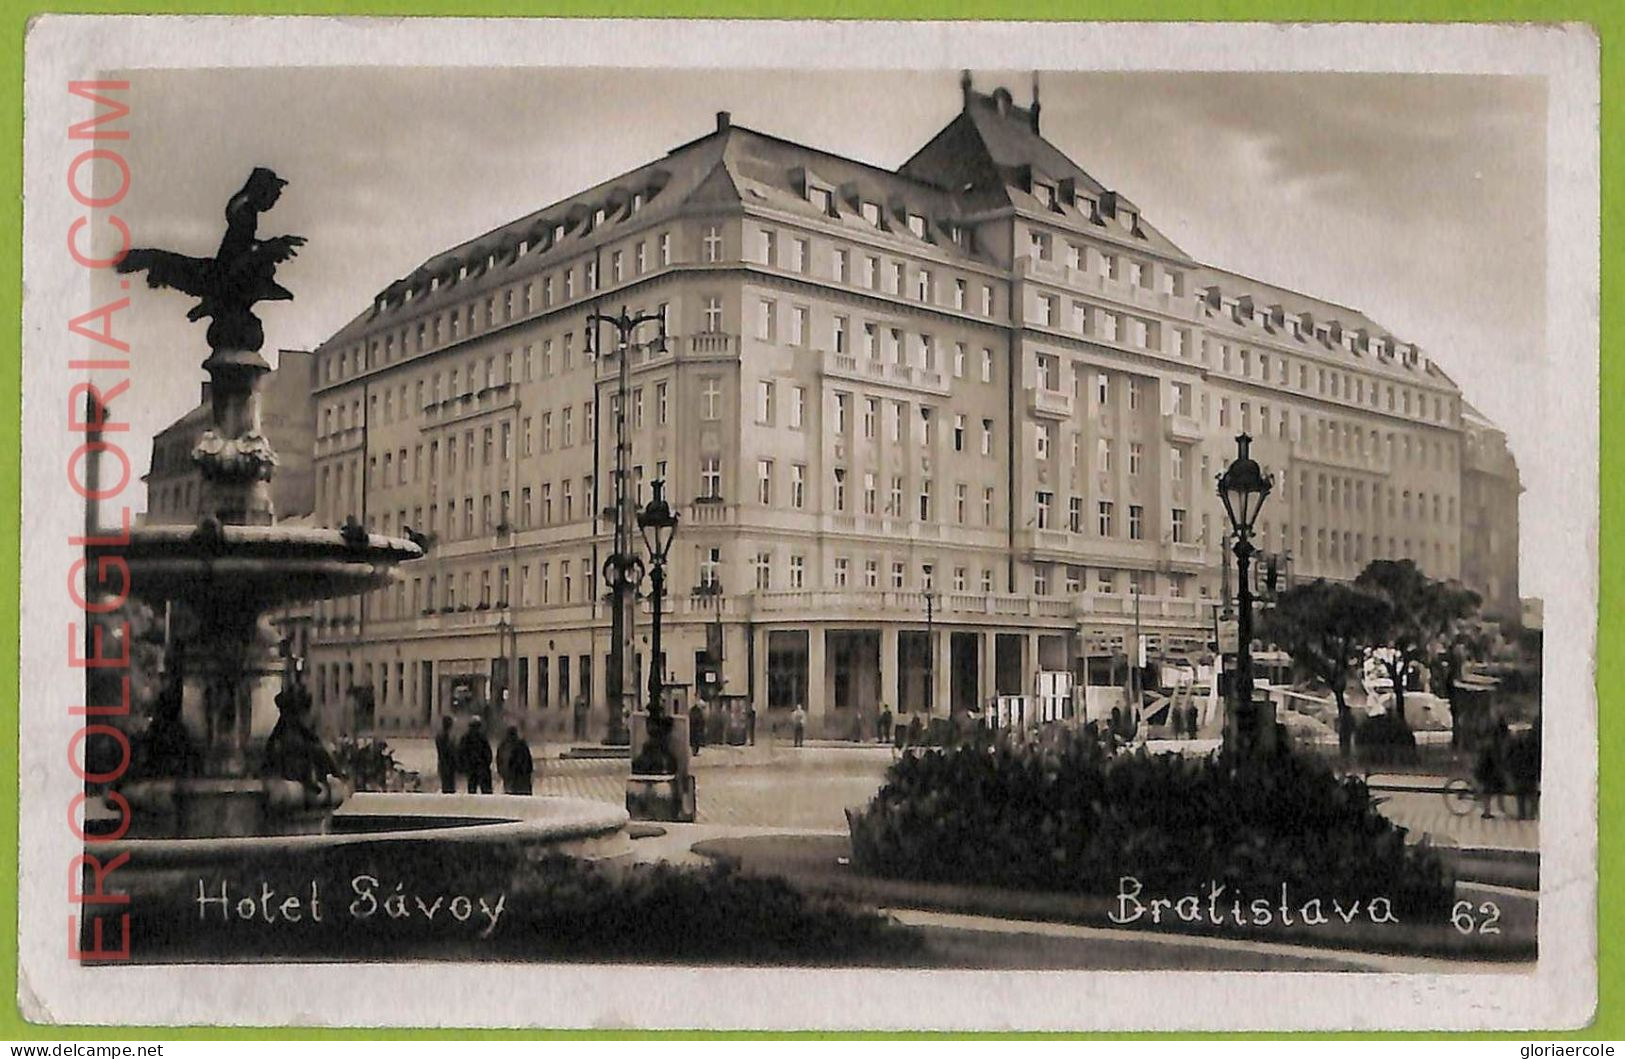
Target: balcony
(469,405)
(1084,549)
(1184,428)
(1308,452)
(712,344)
(1118,608)
(861,604)
(709,513)
(1055,404)
(1184,556)
(863,368)
(340,441)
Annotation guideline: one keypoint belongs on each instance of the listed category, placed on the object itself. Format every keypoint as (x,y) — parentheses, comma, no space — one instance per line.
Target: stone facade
(950,425)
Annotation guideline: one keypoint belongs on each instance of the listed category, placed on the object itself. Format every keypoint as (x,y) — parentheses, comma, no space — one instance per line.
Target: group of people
(472,757)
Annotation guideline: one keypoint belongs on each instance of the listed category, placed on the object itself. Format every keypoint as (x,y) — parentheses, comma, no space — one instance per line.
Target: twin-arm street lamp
(658,524)
(1243,488)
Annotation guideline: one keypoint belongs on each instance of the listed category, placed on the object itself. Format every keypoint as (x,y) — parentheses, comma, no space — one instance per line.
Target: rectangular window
(710,398)
(1136,456)
(1103,518)
(798,485)
(711,477)
(840,266)
(1136,522)
(1074,514)
(764,482)
(764,401)
(1043,501)
(766,321)
(798,407)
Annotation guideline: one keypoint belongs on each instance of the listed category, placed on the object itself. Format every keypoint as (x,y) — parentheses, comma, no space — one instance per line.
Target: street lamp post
(623,569)
(1243,488)
(658,524)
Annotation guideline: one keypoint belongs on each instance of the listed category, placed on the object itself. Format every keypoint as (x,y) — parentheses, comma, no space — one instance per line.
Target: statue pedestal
(668,799)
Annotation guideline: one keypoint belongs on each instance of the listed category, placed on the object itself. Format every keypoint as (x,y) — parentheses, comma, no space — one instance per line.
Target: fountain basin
(254,567)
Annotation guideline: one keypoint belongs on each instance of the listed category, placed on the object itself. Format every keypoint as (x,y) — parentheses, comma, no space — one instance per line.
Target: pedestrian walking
(696,729)
(445,754)
(514,763)
(884,733)
(475,754)
(1491,770)
(750,723)
(798,720)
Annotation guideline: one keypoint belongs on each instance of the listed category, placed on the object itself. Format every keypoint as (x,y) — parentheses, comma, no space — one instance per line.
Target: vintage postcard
(804,525)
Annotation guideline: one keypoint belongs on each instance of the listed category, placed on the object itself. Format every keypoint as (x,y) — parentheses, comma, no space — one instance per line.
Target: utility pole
(623,569)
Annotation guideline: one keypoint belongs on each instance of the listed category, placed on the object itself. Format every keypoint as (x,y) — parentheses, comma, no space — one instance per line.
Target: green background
(1607,17)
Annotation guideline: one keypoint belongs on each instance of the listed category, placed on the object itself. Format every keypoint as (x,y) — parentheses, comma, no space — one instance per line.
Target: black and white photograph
(718,524)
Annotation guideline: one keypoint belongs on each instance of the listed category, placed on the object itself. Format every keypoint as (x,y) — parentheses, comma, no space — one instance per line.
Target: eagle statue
(241,273)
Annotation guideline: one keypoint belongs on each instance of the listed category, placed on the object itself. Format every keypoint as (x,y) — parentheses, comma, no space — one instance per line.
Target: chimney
(207,393)
(724,120)
(1032,113)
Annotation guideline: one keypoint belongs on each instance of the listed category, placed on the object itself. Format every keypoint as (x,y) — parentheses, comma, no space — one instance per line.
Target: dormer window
(824,199)
(1090,211)
(916,225)
(1045,193)
(871,213)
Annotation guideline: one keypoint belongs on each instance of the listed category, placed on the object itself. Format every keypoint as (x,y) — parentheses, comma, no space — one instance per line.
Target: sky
(1417,199)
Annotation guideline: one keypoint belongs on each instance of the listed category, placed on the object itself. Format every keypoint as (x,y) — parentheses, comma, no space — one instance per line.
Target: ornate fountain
(230,789)
(230,750)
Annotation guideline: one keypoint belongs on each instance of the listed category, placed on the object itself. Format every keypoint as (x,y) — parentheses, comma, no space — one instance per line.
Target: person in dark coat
(884,731)
(445,754)
(750,724)
(696,728)
(515,763)
(475,754)
(1490,772)
(1523,769)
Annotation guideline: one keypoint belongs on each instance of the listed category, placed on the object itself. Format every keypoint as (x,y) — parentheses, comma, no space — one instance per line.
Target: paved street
(810,789)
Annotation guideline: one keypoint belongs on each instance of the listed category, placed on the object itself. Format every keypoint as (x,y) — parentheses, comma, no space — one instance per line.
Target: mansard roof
(992,156)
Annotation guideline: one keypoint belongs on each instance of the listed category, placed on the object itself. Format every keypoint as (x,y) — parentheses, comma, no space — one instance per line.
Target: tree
(1327,629)
(1425,618)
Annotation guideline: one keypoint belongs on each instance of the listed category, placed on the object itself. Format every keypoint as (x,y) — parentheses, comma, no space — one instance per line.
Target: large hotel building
(960,420)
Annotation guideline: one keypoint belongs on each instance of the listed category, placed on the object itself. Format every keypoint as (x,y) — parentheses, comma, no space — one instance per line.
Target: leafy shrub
(660,911)
(1059,811)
